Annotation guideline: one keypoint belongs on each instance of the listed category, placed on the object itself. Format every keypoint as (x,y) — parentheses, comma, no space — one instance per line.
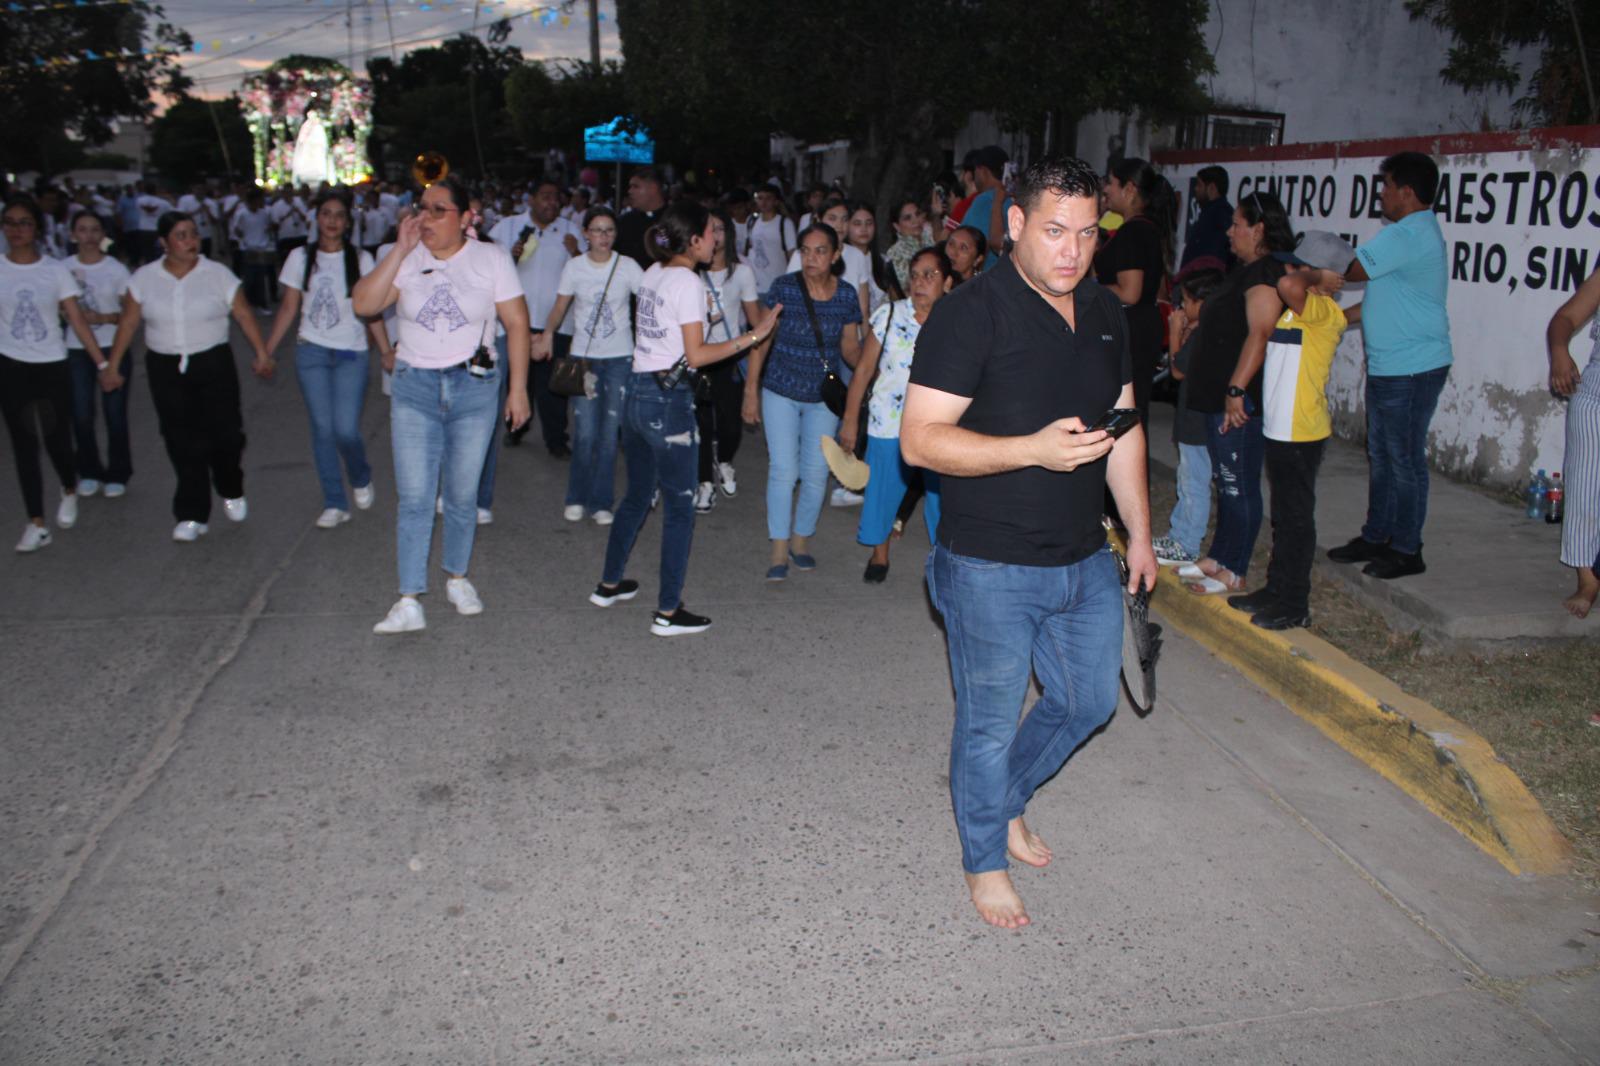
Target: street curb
(1434,758)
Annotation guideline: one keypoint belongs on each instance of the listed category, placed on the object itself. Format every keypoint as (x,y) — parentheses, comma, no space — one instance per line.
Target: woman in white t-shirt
(185,302)
(331,356)
(596,286)
(658,433)
(35,384)
(730,304)
(102,286)
(450,288)
(861,233)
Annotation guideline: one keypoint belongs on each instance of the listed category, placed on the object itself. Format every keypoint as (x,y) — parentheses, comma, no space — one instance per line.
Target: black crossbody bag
(834,390)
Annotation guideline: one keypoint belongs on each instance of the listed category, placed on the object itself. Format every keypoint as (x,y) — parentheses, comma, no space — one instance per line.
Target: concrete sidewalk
(239,828)
(1494,576)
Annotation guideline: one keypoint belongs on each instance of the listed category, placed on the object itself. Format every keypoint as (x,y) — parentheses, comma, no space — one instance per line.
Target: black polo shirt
(996,340)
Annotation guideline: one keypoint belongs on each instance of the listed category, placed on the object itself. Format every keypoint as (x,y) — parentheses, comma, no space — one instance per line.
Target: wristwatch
(1235,391)
(102,365)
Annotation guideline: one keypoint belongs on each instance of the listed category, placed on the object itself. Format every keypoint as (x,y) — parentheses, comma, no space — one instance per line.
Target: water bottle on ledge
(1553,500)
(1534,494)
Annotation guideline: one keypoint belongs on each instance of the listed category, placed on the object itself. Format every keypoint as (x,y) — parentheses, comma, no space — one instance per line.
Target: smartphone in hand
(1117,421)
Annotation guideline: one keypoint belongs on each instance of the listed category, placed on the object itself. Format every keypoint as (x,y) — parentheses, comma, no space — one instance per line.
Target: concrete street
(238,827)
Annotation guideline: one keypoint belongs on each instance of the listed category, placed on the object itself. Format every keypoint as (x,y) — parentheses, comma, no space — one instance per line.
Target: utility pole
(594,34)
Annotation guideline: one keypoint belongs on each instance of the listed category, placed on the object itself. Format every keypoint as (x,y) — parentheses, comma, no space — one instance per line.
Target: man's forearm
(947,449)
(1130,487)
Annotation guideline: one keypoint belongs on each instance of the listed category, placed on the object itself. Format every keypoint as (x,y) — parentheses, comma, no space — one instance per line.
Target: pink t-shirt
(669,299)
(446,306)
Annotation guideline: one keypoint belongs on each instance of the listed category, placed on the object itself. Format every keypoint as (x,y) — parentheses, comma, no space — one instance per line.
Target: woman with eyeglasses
(331,357)
(450,288)
(35,381)
(185,302)
(730,306)
(597,286)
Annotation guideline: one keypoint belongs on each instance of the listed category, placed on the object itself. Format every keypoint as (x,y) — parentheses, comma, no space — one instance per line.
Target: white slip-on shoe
(485,517)
(729,486)
(364,496)
(236,510)
(88,486)
(67,512)
(115,489)
(33,538)
(573,512)
(332,517)
(189,531)
(459,591)
(604,518)
(404,617)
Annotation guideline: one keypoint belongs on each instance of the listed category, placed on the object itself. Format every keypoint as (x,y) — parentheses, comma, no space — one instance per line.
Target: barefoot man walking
(1010,370)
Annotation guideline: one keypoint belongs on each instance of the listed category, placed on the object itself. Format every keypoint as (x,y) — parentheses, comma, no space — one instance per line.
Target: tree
(448,99)
(898,79)
(79,69)
(186,142)
(1562,90)
(552,112)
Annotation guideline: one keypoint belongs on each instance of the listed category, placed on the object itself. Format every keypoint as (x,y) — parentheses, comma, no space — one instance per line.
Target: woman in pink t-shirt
(660,444)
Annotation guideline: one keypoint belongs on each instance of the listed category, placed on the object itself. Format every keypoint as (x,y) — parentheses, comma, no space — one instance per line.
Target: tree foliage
(427,101)
(70,69)
(1563,88)
(185,145)
(552,111)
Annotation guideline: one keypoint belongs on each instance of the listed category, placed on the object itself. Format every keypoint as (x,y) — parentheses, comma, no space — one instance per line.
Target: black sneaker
(605,595)
(1359,550)
(1251,602)
(1393,564)
(678,623)
(1281,617)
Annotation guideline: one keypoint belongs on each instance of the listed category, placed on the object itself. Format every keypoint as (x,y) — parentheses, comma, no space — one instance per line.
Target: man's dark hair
(736,196)
(647,174)
(1061,175)
(1214,175)
(991,157)
(970,161)
(533,189)
(1414,171)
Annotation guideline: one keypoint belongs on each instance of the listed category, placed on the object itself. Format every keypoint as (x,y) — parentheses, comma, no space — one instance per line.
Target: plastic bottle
(1553,507)
(1534,494)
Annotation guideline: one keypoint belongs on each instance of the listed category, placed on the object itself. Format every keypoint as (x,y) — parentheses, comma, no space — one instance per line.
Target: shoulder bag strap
(816,327)
(616,257)
(716,297)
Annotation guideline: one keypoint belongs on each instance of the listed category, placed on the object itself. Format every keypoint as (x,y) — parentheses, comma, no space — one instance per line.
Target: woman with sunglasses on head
(185,302)
(35,381)
(730,306)
(103,285)
(450,289)
(598,287)
(658,433)
(331,356)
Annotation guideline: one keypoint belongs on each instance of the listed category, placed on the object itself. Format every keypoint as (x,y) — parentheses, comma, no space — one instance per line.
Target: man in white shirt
(293,221)
(541,242)
(151,208)
(198,203)
(767,239)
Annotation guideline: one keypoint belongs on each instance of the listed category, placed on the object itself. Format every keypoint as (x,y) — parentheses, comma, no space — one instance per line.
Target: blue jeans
(660,447)
(1003,622)
(596,426)
(1399,410)
(1236,456)
(794,433)
(334,384)
(440,422)
(1188,523)
(86,393)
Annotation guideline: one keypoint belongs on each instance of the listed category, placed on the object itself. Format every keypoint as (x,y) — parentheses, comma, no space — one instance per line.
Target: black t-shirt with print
(998,341)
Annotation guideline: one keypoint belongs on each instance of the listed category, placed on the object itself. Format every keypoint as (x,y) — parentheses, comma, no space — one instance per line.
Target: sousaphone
(429,167)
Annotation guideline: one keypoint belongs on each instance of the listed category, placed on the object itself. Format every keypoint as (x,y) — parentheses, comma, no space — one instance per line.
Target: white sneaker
(729,486)
(88,486)
(189,531)
(604,518)
(459,591)
(705,498)
(67,513)
(843,497)
(33,538)
(485,516)
(404,617)
(115,489)
(573,512)
(332,517)
(236,510)
(364,496)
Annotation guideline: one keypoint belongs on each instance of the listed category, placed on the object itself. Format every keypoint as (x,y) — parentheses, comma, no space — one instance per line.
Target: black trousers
(36,401)
(721,418)
(1292,472)
(202,427)
(550,408)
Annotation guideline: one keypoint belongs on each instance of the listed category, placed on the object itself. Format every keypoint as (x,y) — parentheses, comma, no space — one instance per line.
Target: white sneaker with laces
(604,518)
(729,486)
(573,512)
(364,496)
(88,486)
(236,510)
(459,591)
(705,498)
(404,617)
(33,538)
(115,489)
(332,517)
(67,512)
(843,497)
(189,531)
(485,516)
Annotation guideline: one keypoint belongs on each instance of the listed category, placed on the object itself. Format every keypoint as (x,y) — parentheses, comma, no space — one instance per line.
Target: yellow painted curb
(1437,760)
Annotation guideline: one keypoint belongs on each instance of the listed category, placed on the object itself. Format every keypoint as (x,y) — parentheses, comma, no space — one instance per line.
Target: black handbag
(834,390)
(567,376)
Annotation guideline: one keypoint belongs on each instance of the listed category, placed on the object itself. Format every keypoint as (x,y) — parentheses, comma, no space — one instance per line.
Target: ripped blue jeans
(660,448)
(1236,458)
(596,422)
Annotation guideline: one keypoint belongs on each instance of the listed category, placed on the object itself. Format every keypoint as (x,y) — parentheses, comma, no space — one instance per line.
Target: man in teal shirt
(1406,332)
(988,170)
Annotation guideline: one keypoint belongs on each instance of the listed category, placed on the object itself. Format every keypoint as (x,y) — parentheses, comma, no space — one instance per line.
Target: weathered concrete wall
(1521,218)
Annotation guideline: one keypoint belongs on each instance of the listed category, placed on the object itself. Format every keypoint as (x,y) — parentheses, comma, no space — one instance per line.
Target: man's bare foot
(1582,600)
(997,902)
(1024,845)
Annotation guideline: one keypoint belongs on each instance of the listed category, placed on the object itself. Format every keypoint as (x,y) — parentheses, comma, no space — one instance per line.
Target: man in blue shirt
(1208,233)
(1406,333)
(989,206)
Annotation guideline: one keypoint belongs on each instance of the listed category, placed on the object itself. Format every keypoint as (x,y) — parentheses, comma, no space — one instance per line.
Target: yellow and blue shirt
(1294,400)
